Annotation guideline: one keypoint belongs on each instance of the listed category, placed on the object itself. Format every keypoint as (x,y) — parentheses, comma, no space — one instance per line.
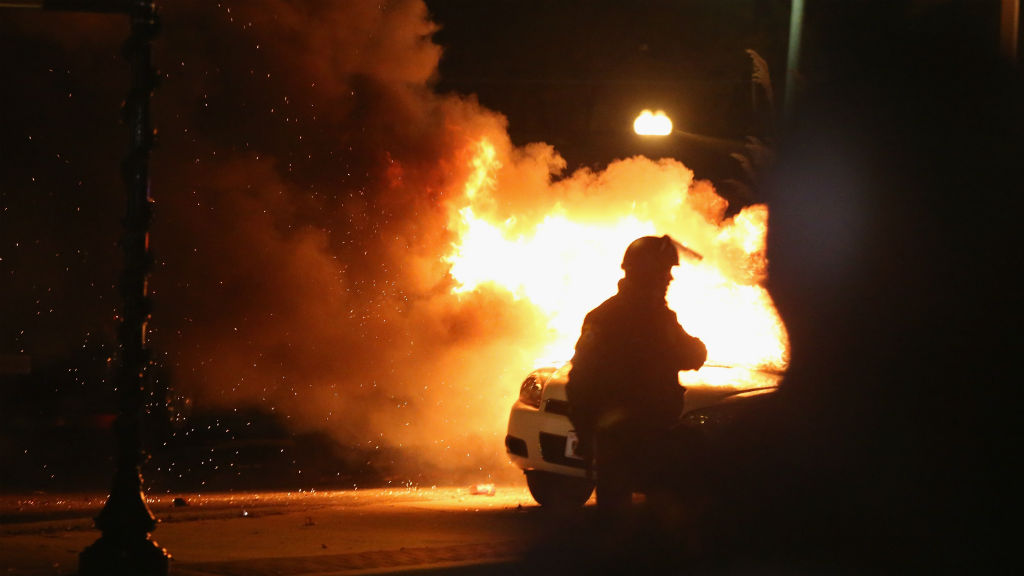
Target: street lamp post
(752,154)
(125,548)
(796,26)
(126,521)
(658,123)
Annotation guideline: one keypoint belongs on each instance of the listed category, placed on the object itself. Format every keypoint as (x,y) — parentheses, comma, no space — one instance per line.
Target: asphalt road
(443,530)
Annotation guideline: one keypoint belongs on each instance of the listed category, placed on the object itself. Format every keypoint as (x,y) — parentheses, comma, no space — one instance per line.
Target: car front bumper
(536,440)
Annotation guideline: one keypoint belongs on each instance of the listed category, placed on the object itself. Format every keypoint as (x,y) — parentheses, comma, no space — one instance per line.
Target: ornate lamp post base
(134,555)
(125,547)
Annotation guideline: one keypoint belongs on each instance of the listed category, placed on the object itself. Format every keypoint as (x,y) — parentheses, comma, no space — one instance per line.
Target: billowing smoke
(312,172)
(305,181)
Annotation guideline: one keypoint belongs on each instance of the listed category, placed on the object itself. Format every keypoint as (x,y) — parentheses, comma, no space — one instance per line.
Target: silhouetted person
(624,383)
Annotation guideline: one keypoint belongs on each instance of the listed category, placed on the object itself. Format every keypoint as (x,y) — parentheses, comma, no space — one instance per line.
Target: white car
(541,440)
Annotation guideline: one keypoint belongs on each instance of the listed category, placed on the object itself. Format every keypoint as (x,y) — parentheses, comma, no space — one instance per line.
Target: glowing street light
(753,154)
(652,124)
(659,124)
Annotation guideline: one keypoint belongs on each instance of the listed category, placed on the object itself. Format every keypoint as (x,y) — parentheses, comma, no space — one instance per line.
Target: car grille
(557,407)
(552,449)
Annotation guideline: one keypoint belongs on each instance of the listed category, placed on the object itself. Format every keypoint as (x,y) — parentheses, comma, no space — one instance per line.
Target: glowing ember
(652,124)
(567,261)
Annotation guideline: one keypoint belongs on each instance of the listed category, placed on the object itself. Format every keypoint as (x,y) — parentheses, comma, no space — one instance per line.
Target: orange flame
(567,262)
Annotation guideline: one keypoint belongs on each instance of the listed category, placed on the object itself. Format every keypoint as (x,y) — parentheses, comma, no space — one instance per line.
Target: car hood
(709,386)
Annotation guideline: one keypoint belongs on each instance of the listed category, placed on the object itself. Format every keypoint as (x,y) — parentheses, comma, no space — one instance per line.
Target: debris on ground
(482,489)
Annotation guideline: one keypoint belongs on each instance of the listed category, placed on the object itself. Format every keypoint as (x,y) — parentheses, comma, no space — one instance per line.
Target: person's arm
(692,351)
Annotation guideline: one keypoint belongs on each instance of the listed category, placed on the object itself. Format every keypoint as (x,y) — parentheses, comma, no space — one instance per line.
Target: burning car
(541,440)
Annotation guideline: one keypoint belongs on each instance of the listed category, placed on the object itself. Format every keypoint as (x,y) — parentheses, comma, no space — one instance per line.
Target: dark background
(892,248)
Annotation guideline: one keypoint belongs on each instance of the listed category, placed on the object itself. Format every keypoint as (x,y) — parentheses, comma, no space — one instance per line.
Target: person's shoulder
(668,317)
(610,307)
(668,313)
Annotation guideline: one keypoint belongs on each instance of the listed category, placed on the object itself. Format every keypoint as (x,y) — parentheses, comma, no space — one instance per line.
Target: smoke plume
(306,180)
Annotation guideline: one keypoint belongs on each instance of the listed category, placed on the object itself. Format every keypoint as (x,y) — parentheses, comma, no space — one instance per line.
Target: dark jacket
(627,363)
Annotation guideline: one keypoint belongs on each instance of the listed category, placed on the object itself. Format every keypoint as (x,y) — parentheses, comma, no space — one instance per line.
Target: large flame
(565,263)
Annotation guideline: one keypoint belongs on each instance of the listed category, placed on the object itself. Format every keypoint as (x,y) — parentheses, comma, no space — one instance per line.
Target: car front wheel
(558,491)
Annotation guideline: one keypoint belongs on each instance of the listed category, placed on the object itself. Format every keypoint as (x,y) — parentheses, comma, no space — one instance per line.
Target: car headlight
(530,390)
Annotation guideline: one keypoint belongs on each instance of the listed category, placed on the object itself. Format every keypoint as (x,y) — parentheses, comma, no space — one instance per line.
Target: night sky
(308,153)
